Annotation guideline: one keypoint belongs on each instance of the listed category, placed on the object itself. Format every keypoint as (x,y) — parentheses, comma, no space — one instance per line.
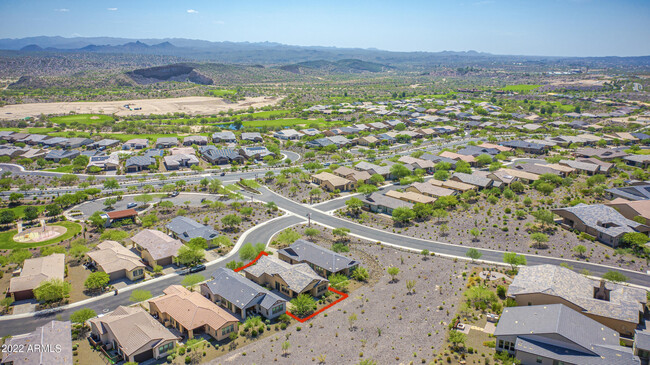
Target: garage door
(143,356)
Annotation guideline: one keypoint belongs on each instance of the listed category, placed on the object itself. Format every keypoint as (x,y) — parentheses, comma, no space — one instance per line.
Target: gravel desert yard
(391,326)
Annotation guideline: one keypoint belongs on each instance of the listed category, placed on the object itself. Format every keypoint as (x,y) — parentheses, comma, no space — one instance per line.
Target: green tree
(473,254)
(15,197)
(6,302)
(192,279)
(514,260)
(614,276)
(19,255)
(247,252)
(545,217)
(143,198)
(399,171)
(52,290)
(7,216)
(139,295)
(97,280)
(376,179)
(340,233)
(311,232)
(82,315)
(475,234)
(52,210)
(403,215)
(303,305)
(354,206)
(339,282)
(539,239)
(441,175)
(483,160)
(111,184)
(149,220)
(189,256)
(231,221)
(456,338)
(30,212)
(198,243)
(480,296)
(423,211)
(517,187)
(580,250)
(360,274)
(393,272)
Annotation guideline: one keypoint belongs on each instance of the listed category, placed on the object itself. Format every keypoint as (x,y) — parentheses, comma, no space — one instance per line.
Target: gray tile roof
(213,152)
(558,332)
(240,291)
(642,339)
(186,229)
(581,166)
(251,136)
(158,244)
(385,201)
(625,303)
(142,161)
(637,192)
(224,136)
(53,334)
(297,277)
(472,179)
(601,218)
(303,250)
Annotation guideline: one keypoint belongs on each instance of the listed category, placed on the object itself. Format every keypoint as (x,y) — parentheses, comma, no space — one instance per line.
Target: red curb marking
(301,320)
(252,262)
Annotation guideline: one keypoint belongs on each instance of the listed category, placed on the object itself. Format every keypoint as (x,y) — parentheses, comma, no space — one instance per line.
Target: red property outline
(301,320)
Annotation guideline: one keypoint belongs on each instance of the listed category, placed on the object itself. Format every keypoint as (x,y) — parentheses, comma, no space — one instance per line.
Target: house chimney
(601,292)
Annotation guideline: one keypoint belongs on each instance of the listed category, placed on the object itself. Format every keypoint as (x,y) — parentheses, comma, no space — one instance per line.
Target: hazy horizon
(567,28)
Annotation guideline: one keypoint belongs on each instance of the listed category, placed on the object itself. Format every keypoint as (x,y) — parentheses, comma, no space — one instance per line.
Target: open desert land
(194,105)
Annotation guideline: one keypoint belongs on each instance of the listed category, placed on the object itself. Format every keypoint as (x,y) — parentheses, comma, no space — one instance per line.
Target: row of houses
(565,317)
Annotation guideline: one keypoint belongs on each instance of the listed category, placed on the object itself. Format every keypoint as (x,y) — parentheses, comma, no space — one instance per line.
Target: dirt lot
(503,231)
(392,326)
(195,105)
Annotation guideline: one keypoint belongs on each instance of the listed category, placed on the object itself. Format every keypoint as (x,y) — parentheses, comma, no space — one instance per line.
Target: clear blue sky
(528,27)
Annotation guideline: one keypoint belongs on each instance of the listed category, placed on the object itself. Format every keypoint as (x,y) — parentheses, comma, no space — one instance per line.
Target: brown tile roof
(111,256)
(158,244)
(333,179)
(456,156)
(133,328)
(411,197)
(191,309)
(38,270)
(430,189)
(117,214)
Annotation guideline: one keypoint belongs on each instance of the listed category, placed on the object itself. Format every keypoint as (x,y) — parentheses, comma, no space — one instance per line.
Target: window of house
(164,348)
(539,360)
(137,272)
(227,330)
(512,346)
(277,309)
(500,344)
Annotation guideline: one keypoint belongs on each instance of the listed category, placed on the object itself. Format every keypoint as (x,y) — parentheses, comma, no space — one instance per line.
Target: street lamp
(308,219)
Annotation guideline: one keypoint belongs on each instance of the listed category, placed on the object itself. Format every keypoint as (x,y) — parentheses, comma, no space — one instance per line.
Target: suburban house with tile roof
(452,184)
(133,333)
(290,280)
(220,156)
(136,144)
(472,179)
(331,182)
(616,306)
(191,313)
(242,297)
(458,157)
(166,142)
(323,261)
(380,203)
(175,162)
(34,272)
(54,341)
(641,345)
(251,136)
(352,174)
(184,229)
(557,334)
(411,197)
(632,209)
(603,154)
(604,167)
(583,167)
(226,136)
(600,221)
(636,192)
(288,134)
(117,261)
(197,140)
(138,163)
(155,247)
(430,190)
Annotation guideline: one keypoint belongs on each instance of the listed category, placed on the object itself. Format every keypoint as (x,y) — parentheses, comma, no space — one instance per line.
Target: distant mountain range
(294,58)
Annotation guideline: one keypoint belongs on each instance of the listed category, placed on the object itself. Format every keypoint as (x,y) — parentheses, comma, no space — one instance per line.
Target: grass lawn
(64,169)
(19,211)
(82,119)
(222,92)
(7,242)
(520,87)
(638,152)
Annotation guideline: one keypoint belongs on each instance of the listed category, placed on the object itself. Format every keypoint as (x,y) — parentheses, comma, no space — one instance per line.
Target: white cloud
(64,10)
(111,9)
(192,11)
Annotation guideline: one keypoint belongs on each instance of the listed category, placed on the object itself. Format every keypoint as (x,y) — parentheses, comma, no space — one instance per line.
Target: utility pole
(308,219)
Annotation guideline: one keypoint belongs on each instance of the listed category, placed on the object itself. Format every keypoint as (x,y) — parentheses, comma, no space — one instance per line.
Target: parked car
(131,205)
(174,194)
(223,174)
(197,268)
